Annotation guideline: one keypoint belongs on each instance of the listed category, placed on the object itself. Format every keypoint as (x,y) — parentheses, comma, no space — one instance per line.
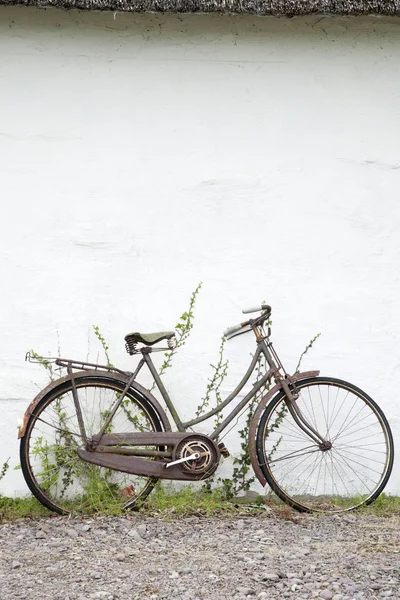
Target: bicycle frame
(183,426)
(105,450)
(264,347)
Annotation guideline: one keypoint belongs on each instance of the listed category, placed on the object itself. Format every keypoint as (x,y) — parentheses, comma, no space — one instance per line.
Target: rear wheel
(352,472)
(56,475)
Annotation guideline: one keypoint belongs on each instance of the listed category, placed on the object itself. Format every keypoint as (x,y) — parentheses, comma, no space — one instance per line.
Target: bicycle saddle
(148,339)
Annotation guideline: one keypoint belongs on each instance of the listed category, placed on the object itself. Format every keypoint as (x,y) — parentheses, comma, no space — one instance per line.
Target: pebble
(134,534)
(247,591)
(141,529)
(120,557)
(326,594)
(349,518)
(271,576)
(56,544)
(226,558)
(72,533)
(40,535)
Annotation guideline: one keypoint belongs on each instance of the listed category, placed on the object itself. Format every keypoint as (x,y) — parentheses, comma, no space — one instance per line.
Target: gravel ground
(201,558)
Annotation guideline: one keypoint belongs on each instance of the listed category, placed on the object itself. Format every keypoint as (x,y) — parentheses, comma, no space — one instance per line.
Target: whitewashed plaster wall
(142,154)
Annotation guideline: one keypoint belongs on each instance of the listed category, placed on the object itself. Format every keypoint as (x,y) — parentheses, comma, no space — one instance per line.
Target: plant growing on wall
(241,478)
(4,468)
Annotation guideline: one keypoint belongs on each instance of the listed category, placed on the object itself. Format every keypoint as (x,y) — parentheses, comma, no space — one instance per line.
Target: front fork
(291,396)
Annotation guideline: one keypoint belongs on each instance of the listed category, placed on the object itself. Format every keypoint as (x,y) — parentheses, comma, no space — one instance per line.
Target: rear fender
(256,419)
(120,377)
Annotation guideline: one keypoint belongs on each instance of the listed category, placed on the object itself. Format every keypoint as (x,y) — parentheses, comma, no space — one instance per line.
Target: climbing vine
(242,477)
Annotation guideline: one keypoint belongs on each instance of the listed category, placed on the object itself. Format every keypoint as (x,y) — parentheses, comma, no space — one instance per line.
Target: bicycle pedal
(224,450)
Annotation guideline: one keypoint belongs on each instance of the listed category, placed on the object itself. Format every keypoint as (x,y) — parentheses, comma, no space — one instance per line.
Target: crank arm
(193,456)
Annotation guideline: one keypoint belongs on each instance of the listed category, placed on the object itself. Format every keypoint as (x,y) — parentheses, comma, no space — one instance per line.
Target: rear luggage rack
(68,363)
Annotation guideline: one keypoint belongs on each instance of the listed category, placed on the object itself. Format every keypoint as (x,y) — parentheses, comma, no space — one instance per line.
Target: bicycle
(321,444)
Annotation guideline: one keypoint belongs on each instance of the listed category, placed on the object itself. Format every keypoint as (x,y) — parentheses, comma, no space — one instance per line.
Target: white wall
(142,154)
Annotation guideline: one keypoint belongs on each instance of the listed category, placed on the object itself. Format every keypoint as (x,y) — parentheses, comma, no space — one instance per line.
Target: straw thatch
(288,8)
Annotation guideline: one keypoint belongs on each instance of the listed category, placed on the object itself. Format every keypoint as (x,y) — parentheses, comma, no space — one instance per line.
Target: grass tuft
(165,500)
(167,503)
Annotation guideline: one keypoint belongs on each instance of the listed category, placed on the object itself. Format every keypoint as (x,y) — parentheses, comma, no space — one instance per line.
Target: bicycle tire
(280,443)
(51,443)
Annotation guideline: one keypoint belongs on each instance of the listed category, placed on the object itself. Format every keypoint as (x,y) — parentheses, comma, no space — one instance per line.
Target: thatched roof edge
(289,8)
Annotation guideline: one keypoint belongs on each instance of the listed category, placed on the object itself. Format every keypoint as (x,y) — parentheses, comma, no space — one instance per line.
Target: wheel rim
(330,479)
(59,477)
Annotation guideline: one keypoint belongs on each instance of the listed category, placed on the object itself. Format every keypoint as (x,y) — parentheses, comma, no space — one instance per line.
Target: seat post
(146,351)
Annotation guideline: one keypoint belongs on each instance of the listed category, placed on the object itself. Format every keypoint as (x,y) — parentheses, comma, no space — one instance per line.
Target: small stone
(174,575)
(240,524)
(270,577)
(40,535)
(263,596)
(338,597)
(375,586)
(16,564)
(120,557)
(86,528)
(51,569)
(72,533)
(350,518)
(141,529)
(133,533)
(260,556)
(247,591)
(326,595)
(57,544)
(186,570)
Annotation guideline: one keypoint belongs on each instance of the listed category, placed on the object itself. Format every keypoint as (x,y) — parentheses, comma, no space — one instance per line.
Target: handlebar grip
(231,330)
(245,311)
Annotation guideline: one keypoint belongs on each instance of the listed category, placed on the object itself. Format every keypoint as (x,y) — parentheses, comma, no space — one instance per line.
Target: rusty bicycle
(320,443)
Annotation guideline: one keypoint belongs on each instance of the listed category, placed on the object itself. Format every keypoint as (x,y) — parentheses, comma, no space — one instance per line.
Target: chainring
(201,467)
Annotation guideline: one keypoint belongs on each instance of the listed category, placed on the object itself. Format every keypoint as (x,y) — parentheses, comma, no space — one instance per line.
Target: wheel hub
(325,446)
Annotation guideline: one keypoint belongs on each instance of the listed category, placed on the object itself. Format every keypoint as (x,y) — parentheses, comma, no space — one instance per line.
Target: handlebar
(247,325)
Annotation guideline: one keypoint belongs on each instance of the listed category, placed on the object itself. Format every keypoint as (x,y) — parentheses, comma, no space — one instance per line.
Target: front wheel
(56,475)
(350,471)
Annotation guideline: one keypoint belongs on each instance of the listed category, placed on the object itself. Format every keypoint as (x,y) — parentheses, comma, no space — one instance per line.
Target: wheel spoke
(51,465)
(353,468)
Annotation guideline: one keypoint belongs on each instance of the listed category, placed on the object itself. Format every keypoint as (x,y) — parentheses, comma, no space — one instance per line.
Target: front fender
(121,377)
(256,419)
